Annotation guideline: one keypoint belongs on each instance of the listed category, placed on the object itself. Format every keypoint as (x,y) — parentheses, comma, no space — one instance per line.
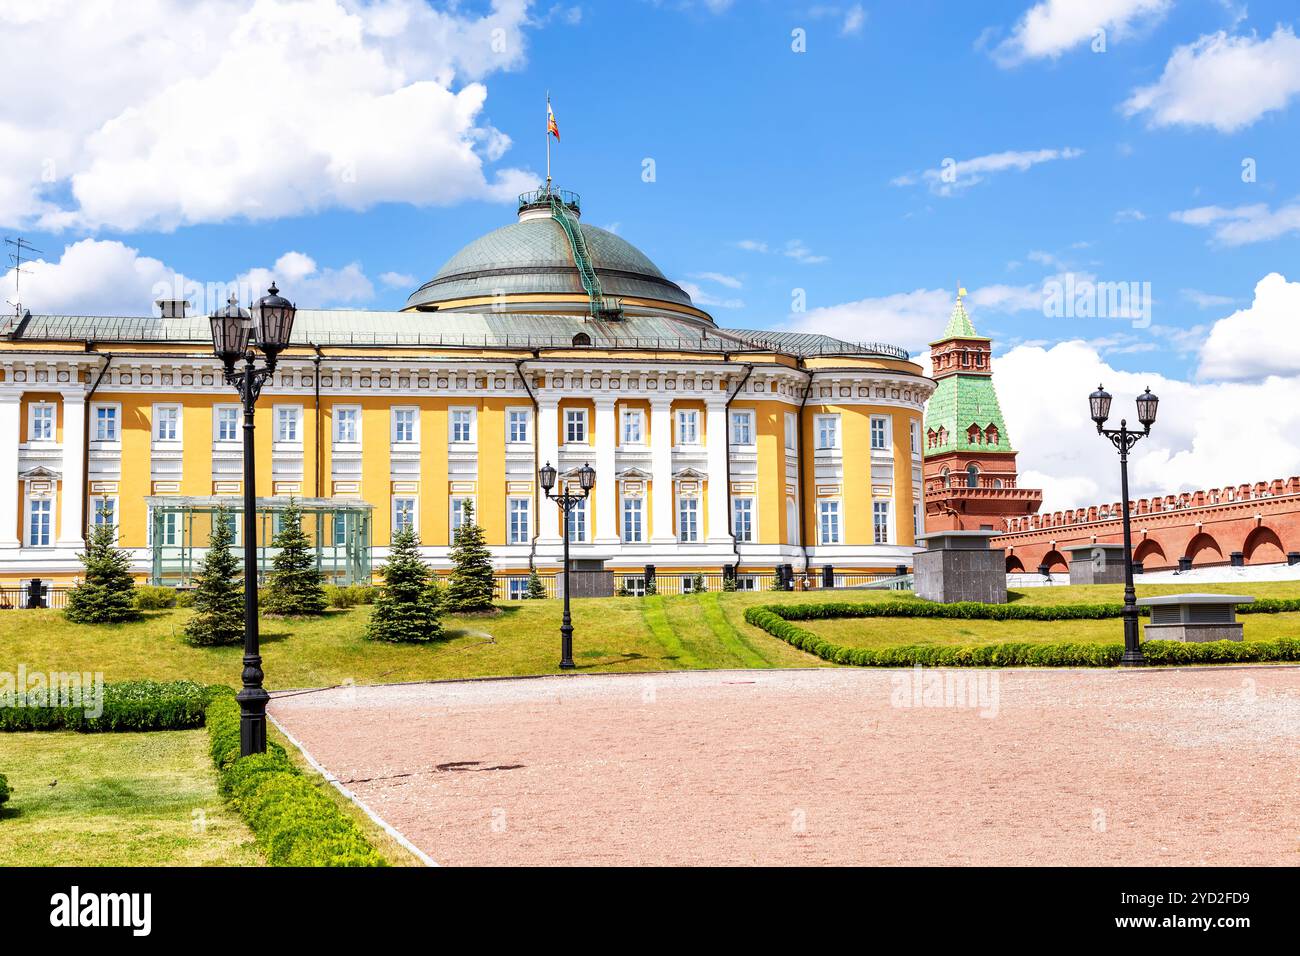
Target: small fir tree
(473,582)
(536,590)
(295,586)
(218,594)
(697,584)
(406,610)
(107,593)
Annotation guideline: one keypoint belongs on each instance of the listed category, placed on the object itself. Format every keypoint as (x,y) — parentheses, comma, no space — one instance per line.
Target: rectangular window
(916,438)
(575,426)
(520,513)
(286,424)
(40,513)
(918,520)
(635,587)
(42,423)
(632,514)
(103,512)
(742,428)
(166,420)
(106,423)
(879,433)
(235,523)
(340,529)
(518,421)
(746,582)
(578,523)
(517,589)
(403,514)
(791,431)
(742,519)
(166,528)
(458,514)
(688,519)
(880,521)
(688,427)
(462,425)
(688,583)
(347,425)
(404,425)
(828,431)
(227,422)
(829,521)
(633,426)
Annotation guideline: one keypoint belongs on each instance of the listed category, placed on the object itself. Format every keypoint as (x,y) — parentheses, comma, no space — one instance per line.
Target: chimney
(172,308)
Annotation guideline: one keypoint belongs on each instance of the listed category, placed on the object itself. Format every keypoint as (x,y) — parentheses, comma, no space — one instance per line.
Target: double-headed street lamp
(234,332)
(1123,439)
(567,503)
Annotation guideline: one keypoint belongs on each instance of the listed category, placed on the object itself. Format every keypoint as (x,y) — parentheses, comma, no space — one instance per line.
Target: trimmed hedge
(974,610)
(128,706)
(4,788)
(295,824)
(776,620)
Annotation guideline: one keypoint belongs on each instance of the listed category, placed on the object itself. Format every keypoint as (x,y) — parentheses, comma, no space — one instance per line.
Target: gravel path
(842,766)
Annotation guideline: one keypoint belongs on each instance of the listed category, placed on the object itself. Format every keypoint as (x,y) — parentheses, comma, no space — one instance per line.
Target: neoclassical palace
(547,340)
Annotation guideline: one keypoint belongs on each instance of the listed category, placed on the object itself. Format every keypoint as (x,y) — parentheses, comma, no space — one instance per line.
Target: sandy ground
(1192,766)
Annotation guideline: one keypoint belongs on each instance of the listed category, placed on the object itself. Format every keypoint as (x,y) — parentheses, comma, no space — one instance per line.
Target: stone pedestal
(1194,617)
(960,566)
(1096,564)
(590,579)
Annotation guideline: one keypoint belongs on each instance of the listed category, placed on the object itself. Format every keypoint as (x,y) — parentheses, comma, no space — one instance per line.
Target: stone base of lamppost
(252,720)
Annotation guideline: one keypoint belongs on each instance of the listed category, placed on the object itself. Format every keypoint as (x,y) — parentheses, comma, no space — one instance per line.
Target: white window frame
(827,425)
(517,589)
(102,504)
(626,513)
(457,504)
(353,412)
(462,426)
(398,435)
(688,426)
(918,520)
(175,521)
(879,534)
(829,519)
(916,437)
(576,417)
(114,417)
(414,510)
(636,418)
(29,514)
(512,511)
(743,505)
(53,422)
(178,430)
(217,411)
(880,427)
(576,524)
(791,431)
(519,420)
(683,512)
(742,427)
(634,585)
(284,414)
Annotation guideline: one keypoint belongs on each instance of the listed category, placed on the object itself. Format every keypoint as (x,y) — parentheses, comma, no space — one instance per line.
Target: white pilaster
(715,437)
(71,521)
(661,456)
(606,483)
(10,433)
(548,450)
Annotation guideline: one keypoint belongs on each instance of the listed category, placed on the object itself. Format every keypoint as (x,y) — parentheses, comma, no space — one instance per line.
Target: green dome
(534,256)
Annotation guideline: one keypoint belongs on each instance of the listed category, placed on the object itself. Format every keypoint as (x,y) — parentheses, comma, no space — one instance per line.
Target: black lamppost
(567,503)
(234,330)
(1123,439)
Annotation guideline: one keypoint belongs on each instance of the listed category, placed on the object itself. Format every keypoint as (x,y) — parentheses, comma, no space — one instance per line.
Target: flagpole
(548,142)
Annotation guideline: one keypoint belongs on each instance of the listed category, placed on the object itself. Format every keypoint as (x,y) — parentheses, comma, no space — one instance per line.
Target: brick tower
(970,466)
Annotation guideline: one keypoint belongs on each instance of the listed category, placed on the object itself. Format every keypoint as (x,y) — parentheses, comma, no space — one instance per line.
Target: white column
(715,437)
(548,450)
(10,432)
(71,522)
(606,483)
(661,455)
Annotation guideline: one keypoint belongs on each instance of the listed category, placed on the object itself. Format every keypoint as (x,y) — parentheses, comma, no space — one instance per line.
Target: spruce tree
(107,593)
(473,582)
(295,585)
(218,618)
(536,590)
(406,610)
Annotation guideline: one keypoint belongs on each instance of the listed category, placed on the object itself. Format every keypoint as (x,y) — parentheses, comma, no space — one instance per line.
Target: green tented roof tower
(970,463)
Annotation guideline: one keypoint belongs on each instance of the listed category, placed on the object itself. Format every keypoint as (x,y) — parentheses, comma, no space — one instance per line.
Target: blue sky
(775,170)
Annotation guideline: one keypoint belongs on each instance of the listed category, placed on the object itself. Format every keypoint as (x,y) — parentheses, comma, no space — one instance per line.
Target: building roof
(959,324)
(960,400)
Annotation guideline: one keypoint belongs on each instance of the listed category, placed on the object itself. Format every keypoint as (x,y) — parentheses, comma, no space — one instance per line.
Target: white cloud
(752,245)
(1257,341)
(106,277)
(1207,434)
(793,249)
(721,278)
(703,298)
(250,108)
(1205,300)
(1053,27)
(1227,82)
(397,280)
(1242,225)
(854,19)
(952,176)
(1130,215)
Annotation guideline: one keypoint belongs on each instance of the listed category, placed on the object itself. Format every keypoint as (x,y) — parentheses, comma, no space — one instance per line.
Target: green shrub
(106,594)
(345,596)
(185,598)
(776,620)
(407,610)
(4,789)
(294,823)
(149,597)
(218,596)
(129,706)
(472,583)
(295,587)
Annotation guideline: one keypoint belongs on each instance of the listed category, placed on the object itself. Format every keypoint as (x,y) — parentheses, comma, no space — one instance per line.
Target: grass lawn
(117,800)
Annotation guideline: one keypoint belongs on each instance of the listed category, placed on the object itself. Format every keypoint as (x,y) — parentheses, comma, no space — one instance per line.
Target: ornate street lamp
(567,503)
(1123,440)
(233,329)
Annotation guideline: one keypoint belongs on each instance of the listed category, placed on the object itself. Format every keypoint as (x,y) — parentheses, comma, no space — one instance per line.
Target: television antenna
(21,247)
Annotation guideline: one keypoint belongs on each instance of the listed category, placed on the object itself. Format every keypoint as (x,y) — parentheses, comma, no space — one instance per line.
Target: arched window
(974,435)
(997,482)
(582,338)
(947,478)
(991,435)
(943,436)
(972,476)
(930,438)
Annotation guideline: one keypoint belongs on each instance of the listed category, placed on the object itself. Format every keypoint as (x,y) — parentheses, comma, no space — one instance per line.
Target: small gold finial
(961,291)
